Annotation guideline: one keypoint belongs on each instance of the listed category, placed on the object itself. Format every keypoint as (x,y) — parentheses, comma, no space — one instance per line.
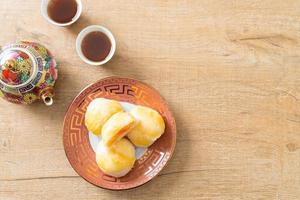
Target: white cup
(88,30)
(44,10)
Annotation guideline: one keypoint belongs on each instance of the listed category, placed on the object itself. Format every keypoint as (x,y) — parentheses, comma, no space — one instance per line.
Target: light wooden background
(229,69)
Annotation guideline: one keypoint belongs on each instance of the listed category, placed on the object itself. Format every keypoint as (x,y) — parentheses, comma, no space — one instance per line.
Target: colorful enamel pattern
(28,72)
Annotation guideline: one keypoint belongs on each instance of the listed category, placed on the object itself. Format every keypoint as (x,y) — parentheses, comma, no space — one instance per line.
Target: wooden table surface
(229,70)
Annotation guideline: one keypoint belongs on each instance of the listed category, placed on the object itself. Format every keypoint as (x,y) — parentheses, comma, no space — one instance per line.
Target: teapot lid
(17,67)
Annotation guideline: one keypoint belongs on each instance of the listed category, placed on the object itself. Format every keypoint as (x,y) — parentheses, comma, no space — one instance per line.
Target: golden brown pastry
(116,160)
(98,112)
(149,126)
(117,127)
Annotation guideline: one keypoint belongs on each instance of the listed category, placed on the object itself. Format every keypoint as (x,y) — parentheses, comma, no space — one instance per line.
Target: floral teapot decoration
(28,72)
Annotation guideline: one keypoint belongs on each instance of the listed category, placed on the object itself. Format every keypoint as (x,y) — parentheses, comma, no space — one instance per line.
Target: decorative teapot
(28,72)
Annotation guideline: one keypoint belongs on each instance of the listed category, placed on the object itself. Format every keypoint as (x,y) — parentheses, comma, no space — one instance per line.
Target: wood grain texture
(229,70)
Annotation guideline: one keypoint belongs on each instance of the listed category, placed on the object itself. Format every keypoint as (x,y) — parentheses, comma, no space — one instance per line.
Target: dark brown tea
(96,46)
(62,11)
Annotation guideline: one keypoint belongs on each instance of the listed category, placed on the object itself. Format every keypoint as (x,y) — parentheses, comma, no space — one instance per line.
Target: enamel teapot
(28,73)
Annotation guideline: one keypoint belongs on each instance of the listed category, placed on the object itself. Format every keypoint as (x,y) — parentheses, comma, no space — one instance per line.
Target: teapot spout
(47,98)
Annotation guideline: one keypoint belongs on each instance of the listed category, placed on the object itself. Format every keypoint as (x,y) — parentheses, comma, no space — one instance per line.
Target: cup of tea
(95,45)
(61,12)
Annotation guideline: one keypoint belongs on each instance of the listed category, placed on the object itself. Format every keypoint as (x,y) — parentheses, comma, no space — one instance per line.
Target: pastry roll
(149,126)
(117,127)
(116,160)
(98,112)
